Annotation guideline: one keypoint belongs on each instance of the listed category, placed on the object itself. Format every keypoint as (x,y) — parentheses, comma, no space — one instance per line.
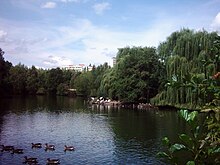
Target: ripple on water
(91,134)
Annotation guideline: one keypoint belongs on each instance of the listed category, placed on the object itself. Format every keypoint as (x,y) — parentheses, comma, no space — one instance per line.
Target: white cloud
(52,42)
(80,42)
(3,34)
(49,5)
(65,1)
(101,7)
(55,61)
(74,1)
(216,22)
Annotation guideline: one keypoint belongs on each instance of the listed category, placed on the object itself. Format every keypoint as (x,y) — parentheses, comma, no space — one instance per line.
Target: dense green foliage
(89,83)
(178,73)
(200,146)
(136,76)
(4,74)
(184,71)
(191,59)
(21,80)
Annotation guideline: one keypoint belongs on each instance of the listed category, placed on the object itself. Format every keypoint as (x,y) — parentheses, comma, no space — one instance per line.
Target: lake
(100,135)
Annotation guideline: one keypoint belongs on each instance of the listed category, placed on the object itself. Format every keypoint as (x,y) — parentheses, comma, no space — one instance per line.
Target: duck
(53,161)
(7,148)
(36,145)
(30,160)
(17,151)
(69,148)
(49,147)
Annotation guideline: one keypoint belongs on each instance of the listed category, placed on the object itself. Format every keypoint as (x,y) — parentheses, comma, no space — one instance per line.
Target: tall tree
(32,80)
(53,79)
(4,74)
(2,71)
(136,76)
(190,61)
(82,84)
(18,78)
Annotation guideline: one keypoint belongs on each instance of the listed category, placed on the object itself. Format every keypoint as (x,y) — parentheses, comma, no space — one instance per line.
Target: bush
(201,145)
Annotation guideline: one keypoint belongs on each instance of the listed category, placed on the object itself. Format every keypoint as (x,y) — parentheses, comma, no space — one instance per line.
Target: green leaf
(196,132)
(166,141)
(217,150)
(184,114)
(211,126)
(210,150)
(190,162)
(186,139)
(192,115)
(177,147)
(188,116)
(163,155)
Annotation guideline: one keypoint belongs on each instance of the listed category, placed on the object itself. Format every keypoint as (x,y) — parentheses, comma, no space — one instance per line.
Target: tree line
(135,78)
(21,80)
(179,72)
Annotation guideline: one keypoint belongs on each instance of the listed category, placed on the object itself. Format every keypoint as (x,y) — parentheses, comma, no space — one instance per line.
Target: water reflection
(101,135)
(38,103)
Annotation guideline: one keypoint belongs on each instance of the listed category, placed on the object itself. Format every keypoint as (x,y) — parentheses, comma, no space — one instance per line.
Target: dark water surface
(100,135)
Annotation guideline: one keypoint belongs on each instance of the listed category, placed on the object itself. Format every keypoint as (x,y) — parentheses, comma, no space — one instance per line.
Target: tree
(32,80)
(18,78)
(2,71)
(136,76)
(82,84)
(2,62)
(53,79)
(191,59)
(5,66)
(62,89)
(97,77)
(67,75)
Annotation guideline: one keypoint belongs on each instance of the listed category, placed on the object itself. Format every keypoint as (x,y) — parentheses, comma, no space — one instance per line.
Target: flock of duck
(32,160)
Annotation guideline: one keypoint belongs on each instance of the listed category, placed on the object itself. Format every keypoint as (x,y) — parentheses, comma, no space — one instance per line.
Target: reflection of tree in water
(60,104)
(131,124)
(138,134)
(128,136)
(33,104)
(19,104)
(133,135)
(4,106)
(3,111)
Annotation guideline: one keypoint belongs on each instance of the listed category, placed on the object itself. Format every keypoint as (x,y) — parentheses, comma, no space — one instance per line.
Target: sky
(57,33)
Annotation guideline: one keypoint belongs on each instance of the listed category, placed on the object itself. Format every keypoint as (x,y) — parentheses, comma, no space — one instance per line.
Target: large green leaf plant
(200,146)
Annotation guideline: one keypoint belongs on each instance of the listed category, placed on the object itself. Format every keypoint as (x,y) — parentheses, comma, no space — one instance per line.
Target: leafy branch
(201,145)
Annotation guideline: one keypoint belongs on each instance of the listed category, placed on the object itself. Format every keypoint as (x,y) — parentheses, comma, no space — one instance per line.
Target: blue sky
(55,33)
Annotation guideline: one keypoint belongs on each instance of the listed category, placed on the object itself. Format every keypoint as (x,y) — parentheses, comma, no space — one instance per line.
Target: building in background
(89,68)
(114,61)
(78,68)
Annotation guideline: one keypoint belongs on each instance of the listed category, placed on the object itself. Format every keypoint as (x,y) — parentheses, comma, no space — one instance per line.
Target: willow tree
(190,62)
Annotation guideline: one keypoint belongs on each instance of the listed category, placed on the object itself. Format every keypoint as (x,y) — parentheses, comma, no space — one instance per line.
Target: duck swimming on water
(7,148)
(49,147)
(69,148)
(30,160)
(36,145)
(53,161)
(17,151)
